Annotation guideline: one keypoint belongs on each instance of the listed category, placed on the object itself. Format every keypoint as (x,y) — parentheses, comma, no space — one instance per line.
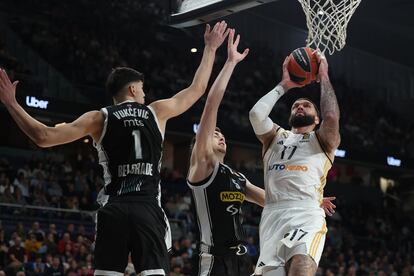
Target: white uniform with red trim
(295,169)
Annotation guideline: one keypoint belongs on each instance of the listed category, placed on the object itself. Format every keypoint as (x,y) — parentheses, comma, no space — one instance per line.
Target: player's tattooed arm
(329,130)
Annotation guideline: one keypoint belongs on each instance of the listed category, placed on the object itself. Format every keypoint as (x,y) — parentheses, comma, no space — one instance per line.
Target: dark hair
(193,140)
(121,76)
(314,105)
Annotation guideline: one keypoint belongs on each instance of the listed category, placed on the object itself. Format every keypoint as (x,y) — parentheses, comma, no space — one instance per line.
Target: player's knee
(301,265)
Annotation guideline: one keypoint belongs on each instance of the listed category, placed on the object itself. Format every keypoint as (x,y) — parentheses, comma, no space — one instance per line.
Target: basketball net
(327,21)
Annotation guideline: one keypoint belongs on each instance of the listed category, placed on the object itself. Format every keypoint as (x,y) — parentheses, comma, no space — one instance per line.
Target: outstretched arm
(202,157)
(90,123)
(329,130)
(255,194)
(262,125)
(180,102)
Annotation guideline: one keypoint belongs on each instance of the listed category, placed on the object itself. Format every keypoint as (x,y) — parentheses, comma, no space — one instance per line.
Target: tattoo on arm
(329,104)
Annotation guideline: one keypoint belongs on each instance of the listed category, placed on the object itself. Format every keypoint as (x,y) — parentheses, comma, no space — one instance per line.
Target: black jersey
(217,201)
(130,149)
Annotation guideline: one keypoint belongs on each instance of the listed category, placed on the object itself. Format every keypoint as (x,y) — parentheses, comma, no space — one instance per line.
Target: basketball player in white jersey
(296,162)
(220,250)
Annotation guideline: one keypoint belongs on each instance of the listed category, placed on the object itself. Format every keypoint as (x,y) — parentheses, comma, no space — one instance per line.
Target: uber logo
(33,102)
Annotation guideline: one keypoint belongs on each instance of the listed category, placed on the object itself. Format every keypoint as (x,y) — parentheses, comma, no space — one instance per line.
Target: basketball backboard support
(187,13)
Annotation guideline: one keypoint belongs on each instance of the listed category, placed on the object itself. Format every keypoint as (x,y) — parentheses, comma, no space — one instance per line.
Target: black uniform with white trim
(132,220)
(217,202)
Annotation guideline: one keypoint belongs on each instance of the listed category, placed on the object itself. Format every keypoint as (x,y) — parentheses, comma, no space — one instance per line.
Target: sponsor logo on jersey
(282,167)
(232,196)
(305,138)
(232,210)
(137,168)
(236,184)
(133,123)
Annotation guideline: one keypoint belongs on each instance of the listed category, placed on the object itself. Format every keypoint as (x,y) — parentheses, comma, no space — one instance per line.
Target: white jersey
(295,167)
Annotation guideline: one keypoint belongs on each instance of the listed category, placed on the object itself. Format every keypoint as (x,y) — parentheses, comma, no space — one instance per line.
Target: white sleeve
(259,114)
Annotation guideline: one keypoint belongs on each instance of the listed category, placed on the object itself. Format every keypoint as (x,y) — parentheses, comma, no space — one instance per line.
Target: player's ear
(317,120)
(131,90)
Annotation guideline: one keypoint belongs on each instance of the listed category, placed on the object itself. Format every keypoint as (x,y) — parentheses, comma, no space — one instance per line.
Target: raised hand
(7,88)
(216,36)
(323,65)
(286,82)
(328,206)
(232,54)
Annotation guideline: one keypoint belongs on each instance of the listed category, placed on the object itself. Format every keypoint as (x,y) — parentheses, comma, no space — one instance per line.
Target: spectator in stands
(52,230)
(21,183)
(16,255)
(37,267)
(62,243)
(70,229)
(5,185)
(7,195)
(50,243)
(252,249)
(20,231)
(56,269)
(40,234)
(18,197)
(32,246)
(3,248)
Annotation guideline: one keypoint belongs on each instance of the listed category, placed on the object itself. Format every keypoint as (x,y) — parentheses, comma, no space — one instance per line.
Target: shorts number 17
(297,232)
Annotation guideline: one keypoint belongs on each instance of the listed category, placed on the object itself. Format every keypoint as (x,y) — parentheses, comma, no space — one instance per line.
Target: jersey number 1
(137,144)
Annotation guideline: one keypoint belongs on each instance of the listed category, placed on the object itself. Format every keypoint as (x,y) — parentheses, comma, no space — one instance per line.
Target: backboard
(187,13)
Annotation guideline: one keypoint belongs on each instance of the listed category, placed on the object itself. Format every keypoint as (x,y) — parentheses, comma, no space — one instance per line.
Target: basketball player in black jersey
(128,137)
(218,191)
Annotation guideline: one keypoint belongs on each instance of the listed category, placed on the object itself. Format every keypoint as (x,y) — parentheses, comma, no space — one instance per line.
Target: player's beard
(301,121)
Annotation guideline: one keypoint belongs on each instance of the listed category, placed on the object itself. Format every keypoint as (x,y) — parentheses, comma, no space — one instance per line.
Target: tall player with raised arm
(296,163)
(218,191)
(128,137)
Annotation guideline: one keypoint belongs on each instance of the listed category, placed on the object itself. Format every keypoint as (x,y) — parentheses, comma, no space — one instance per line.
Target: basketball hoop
(327,21)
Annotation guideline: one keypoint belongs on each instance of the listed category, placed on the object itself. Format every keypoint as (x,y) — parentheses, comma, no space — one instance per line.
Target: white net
(327,21)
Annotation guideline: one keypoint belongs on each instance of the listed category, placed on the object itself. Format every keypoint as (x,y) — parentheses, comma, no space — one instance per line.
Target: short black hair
(312,102)
(193,140)
(121,76)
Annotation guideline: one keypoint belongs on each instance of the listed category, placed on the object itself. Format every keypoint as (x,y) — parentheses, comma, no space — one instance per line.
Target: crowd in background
(133,33)
(363,239)
(52,183)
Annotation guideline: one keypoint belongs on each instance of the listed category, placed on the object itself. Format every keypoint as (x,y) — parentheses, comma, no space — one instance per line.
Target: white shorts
(288,229)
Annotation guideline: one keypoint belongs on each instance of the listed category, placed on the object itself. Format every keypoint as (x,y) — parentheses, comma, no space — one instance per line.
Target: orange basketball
(303,65)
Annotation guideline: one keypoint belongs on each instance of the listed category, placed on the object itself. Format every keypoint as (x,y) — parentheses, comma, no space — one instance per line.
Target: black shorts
(124,226)
(229,264)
